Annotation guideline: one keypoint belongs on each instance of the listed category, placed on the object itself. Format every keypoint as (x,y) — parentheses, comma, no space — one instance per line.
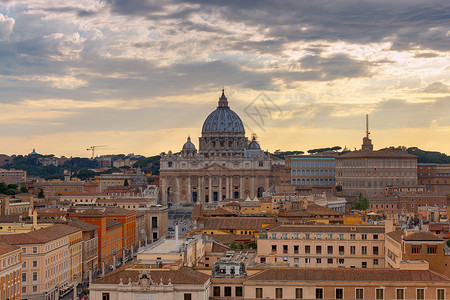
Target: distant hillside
(429,156)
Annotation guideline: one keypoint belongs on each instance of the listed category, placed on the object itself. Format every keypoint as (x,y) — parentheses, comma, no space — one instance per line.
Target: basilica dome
(223,119)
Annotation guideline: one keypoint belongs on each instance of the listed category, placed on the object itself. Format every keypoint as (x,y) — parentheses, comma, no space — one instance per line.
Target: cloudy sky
(140,76)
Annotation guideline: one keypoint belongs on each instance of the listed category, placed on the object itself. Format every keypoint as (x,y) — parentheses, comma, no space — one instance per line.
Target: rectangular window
(330,261)
(307,236)
(307,249)
(379,294)
(330,236)
(105,296)
(259,293)
(296,249)
(364,265)
(34,264)
(216,291)
(432,249)
(400,294)
(238,291)
(296,236)
(364,250)
(341,261)
(284,236)
(420,294)
(285,249)
(274,248)
(440,294)
(339,293)
(416,249)
(319,293)
(318,236)
(359,294)
(375,236)
(353,250)
(298,293)
(375,261)
(364,236)
(352,236)
(274,235)
(341,250)
(307,260)
(279,293)
(341,236)
(187,296)
(35,276)
(318,260)
(330,249)
(227,291)
(34,250)
(318,249)
(375,250)
(24,277)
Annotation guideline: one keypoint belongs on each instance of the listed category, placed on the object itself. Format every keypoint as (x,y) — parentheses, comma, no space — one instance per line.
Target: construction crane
(93,148)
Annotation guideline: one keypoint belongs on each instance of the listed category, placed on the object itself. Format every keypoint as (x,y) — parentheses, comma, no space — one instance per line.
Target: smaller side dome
(254,145)
(188,145)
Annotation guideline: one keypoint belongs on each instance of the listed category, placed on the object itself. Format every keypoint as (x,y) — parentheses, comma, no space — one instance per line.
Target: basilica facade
(226,165)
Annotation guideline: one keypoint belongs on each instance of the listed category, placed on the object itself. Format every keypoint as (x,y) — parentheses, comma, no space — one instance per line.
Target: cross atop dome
(223,102)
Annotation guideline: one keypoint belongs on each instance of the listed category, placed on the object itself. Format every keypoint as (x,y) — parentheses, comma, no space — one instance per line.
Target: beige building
(10,272)
(368,172)
(313,283)
(51,260)
(153,284)
(15,205)
(323,246)
(13,176)
(227,166)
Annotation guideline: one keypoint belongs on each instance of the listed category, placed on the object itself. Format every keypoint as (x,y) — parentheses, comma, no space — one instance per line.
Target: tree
(448,243)
(41,194)
(23,189)
(126,182)
(361,204)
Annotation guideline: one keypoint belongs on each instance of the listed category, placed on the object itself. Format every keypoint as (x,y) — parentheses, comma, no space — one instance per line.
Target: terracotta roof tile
(110,224)
(422,236)
(237,223)
(396,235)
(301,274)
(84,226)
(184,275)
(43,235)
(6,248)
(328,228)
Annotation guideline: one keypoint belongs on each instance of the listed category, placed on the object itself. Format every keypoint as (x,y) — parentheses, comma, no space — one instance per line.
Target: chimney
(34,220)
(176,238)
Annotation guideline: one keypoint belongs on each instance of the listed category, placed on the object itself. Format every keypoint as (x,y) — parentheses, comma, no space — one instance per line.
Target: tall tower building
(367,143)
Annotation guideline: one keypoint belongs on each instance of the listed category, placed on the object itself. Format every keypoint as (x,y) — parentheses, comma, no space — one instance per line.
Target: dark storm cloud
(407,24)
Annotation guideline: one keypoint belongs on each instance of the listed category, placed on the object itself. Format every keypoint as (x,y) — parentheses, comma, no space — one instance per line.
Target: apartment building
(13,176)
(10,272)
(51,260)
(415,249)
(307,283)
(90,246)
(323,246)
(368,172)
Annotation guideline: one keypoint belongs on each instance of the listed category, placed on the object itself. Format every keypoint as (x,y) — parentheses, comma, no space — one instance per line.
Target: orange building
(113,237)
(10,272)
(105,239)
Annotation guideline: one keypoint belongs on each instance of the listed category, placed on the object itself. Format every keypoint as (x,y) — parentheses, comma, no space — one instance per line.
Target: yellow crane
(93,148)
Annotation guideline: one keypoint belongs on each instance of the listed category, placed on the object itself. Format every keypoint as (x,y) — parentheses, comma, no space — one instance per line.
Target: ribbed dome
(223,119)
(188,145)
(254,145)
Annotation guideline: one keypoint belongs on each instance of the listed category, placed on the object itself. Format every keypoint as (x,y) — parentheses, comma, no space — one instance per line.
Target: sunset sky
(140,76)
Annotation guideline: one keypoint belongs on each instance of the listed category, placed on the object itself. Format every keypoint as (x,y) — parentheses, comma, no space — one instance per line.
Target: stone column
(114,262)
(210,189)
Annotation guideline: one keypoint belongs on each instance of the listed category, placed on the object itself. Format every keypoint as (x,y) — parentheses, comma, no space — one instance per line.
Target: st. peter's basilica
(226,165)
